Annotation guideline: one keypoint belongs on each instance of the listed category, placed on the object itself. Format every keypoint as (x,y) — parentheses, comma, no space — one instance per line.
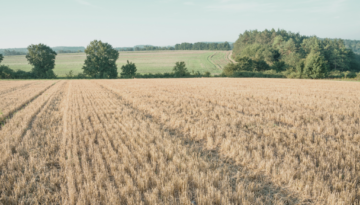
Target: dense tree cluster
(280,50)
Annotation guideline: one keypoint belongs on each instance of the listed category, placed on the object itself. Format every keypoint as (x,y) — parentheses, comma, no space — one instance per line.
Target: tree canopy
(282,50)
(100,60)
(1,58)
(42,58)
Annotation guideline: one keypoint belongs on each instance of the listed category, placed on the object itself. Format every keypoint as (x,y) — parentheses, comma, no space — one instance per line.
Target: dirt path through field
(230,58)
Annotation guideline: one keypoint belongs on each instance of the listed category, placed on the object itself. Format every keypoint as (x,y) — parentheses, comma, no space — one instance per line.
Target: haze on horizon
(167,22)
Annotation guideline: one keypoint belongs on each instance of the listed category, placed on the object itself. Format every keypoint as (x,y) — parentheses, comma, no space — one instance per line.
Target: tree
(1,57)
(180,69)
(316,66)
(42,58)
(100,60)
(129,69)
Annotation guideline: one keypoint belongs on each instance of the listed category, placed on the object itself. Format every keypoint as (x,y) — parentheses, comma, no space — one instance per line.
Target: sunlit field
(179,141)
(146,61)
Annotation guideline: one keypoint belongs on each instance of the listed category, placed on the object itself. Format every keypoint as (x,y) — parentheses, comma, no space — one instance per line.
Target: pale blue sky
(167,22)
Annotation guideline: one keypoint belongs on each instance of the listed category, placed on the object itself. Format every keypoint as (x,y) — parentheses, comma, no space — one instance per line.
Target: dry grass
(184,141)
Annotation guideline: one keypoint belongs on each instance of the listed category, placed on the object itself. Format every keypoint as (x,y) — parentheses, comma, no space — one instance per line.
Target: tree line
(68,51)
(24,51)
(182,46)
(100,62)
(13,53)
(297,55)
(203,46)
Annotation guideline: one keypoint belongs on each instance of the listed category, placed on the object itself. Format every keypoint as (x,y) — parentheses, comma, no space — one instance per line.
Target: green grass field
(146,61)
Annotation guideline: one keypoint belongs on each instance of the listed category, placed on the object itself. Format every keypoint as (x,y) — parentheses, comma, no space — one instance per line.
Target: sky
(126,23)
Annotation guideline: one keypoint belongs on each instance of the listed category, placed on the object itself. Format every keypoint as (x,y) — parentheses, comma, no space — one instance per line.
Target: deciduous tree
(100,60)
(42,58)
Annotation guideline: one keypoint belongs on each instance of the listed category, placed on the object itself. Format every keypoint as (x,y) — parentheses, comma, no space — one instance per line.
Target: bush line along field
(146,61)
(180,141)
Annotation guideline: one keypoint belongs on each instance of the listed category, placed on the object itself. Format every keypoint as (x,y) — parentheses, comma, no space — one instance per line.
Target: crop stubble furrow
(209,141)
(244,178)
(30,168)
(12,86)
(17,100)
(136,147)
(84,165)
(280,114)
(12,133)
(132,173)
(307,139)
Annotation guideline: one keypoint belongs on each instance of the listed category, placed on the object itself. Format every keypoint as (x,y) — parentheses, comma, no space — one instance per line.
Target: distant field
(146,61)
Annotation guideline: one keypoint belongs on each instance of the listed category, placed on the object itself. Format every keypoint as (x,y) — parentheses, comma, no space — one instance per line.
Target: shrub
(207,74)
(6,72)
(129,69)
(70,74)
(349,74)
(180,69)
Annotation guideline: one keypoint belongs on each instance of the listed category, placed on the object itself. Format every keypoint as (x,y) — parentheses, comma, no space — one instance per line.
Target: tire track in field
(6,118)
(212,62)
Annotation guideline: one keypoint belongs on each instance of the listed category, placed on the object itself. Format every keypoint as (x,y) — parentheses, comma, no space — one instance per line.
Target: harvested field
(181,141)
(15,94)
